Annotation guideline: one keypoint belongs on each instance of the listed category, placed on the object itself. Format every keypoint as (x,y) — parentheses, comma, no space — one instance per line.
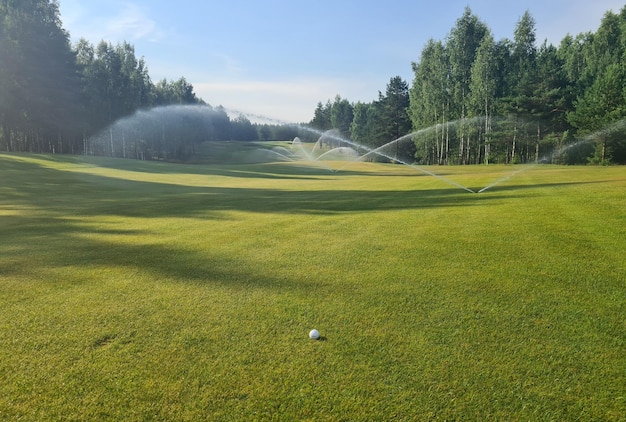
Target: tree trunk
(513,144)
(111,139)
(537,144)
(437,146)
(6,135)
(447,143)
(462,141)
(486,131)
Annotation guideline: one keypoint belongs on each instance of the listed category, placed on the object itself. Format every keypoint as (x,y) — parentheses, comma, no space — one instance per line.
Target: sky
(279,59)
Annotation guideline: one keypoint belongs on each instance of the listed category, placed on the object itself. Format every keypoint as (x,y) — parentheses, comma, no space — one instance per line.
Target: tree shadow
(510,187)
(62,243)
(260,170)
(270,170)
(66,193)
(41,206)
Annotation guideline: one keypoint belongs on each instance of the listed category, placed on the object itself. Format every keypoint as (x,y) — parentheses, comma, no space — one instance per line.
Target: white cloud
(132,23)
(111,21)
(229,63)
(290,101)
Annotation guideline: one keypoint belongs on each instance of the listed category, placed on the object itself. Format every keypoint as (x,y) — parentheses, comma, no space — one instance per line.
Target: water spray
(507,177)
(156,121)
(377,151)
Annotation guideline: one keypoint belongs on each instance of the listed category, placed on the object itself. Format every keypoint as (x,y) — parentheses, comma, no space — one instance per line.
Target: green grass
(150,291)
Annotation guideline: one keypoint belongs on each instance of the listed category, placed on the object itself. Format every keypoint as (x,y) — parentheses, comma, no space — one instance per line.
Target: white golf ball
(314,334)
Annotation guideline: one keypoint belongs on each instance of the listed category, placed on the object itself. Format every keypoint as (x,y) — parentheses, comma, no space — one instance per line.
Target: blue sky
(280,58)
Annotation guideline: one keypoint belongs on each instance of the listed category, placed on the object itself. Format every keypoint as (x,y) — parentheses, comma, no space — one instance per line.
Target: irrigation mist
(162,132)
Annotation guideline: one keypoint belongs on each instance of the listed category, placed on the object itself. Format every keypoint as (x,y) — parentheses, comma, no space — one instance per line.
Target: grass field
(141,291)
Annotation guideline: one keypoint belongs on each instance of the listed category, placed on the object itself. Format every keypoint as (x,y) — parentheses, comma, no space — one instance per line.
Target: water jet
(179,131)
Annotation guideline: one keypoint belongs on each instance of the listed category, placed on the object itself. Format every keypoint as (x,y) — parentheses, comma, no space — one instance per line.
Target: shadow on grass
(67,193)
(32,248)
(271,170)
(39,206)
(294,170)
(516,187)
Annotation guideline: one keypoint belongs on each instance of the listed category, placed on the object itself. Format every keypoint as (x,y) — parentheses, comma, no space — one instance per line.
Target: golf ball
(314,334)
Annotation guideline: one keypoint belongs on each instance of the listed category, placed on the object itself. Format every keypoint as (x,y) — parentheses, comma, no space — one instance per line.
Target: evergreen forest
(473,99)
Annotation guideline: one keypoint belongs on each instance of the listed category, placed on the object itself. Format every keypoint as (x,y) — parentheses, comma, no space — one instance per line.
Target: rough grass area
(149,291)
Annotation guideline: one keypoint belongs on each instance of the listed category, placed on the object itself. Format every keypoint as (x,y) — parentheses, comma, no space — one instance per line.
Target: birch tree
(430,99)
(463,43)
(483,88)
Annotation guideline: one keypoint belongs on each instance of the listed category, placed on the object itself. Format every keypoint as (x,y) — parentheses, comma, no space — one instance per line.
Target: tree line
(477,100)
(472,100)
(55,96)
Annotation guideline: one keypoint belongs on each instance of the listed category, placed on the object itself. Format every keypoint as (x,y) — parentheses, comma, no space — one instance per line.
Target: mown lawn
(140,291)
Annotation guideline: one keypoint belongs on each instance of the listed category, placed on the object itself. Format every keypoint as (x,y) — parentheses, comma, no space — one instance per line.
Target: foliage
(38,78)
(508,101)
(322,116)
(429,102)
(385,120)
(341,116)
(487,101)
